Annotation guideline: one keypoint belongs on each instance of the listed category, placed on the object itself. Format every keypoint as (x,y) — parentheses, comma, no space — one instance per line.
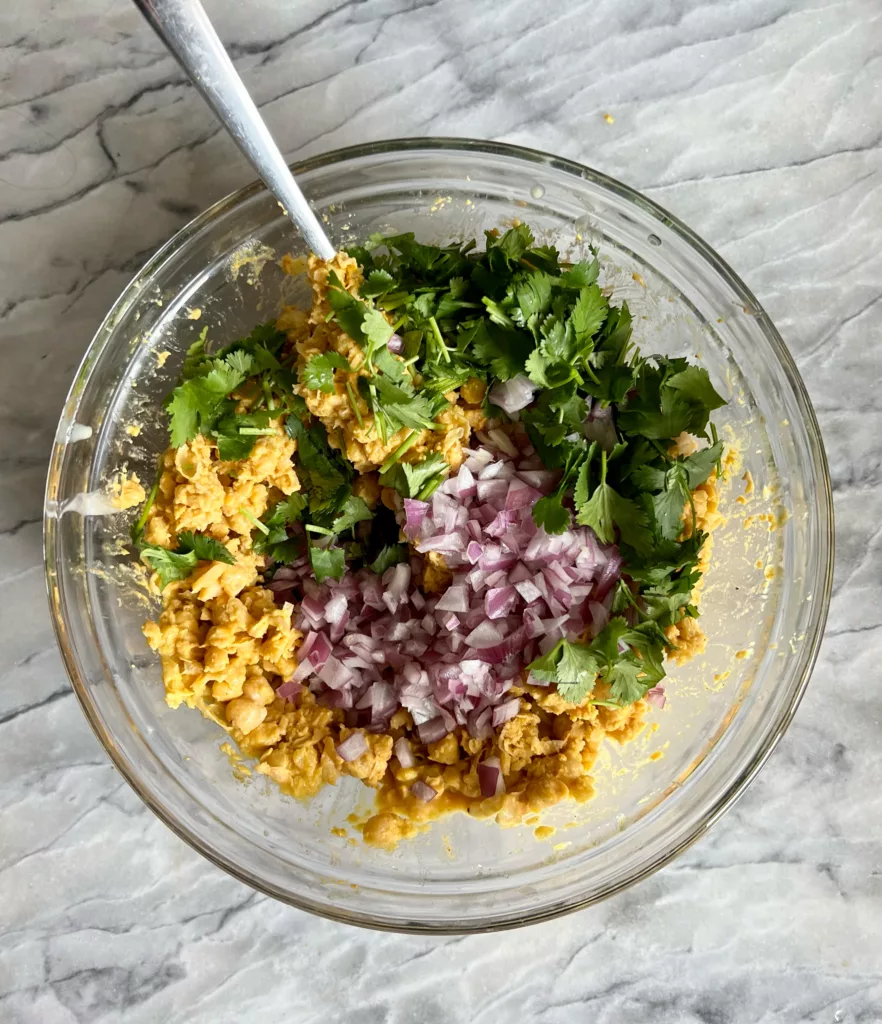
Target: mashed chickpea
(226,645)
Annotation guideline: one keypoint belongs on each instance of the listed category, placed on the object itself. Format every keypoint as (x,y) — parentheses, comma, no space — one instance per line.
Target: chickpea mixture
(227,642)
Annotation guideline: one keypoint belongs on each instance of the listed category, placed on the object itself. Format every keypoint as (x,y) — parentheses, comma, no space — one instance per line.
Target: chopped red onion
(503,442)
(352,747)
(403,751)
(503,713)
(490,777)
(375,644)
(513,395)
(289,690)
(656,697)
(433,730)
(500,601)
(528,591)
(415,512)
(423,791)
(487,634)
(395,344)
(455,599)
(466,487)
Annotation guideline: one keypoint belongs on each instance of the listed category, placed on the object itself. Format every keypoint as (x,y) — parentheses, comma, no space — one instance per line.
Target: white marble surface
(757,122)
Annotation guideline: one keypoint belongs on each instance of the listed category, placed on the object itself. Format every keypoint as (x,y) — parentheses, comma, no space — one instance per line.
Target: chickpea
(245,715)
(226,689)
(445,751)
(259,691)
(367,486)
(473,391)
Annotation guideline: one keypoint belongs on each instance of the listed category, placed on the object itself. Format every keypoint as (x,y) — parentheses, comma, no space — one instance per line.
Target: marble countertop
(755,121)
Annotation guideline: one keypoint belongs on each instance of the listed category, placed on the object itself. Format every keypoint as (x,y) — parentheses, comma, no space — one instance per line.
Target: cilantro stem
(268,395)
(436,330)
(394,456)
(257,431)
(660,449)
(587,367)
(255,521)
(138,528)
(428,488)
(354,404)
(312,528)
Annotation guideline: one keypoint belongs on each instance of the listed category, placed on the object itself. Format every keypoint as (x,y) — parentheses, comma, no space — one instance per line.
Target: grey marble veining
(759,123)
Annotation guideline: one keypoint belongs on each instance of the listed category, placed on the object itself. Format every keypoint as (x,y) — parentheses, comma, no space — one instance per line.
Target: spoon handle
(185,29)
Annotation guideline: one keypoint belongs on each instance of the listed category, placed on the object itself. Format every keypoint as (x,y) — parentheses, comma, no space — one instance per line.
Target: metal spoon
(185,29)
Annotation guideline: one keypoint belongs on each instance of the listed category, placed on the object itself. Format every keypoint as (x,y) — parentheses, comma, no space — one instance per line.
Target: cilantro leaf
(572,667)
(607,509)
(417,479)
(701,464)
(236,433)
(626,684)
(389,555)
(668,508)
(694,384)
(588,314)
(192,548)
(195,404)
(580,275)
(367,326)
(325,473)
(286,511)
(401,408)
(354,511)
(170,566)
(503,349)
(549,512)
(205,548)
(327,562)
(318,373)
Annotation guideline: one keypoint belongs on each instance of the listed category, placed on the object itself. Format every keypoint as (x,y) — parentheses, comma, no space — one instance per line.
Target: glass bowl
(764,605)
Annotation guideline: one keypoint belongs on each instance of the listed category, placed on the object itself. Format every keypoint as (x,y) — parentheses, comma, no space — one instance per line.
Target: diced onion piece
(502,713)
(455,599)
(513,395)
(352,747)
(490,777)
(404,752)
(289,690)
(423,791)
(656,697)
(433,730)
(486,634)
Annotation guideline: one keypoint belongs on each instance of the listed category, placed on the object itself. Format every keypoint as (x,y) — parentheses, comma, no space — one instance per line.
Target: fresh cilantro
(235,434)
(503,349)
(701,464)
(364,324)
(549,512)
(389,555)
(399,406)
(417,479)
(326,475)
(607,510)
(627,657)
(354,511)
(178,564)
(318,373)
(588,315)
(287,511)
(327,562)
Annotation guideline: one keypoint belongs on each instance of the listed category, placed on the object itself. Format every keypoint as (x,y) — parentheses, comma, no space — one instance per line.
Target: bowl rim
(823,496)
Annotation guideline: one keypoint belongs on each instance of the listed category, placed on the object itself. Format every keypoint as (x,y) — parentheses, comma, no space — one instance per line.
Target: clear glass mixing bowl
(766,597)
